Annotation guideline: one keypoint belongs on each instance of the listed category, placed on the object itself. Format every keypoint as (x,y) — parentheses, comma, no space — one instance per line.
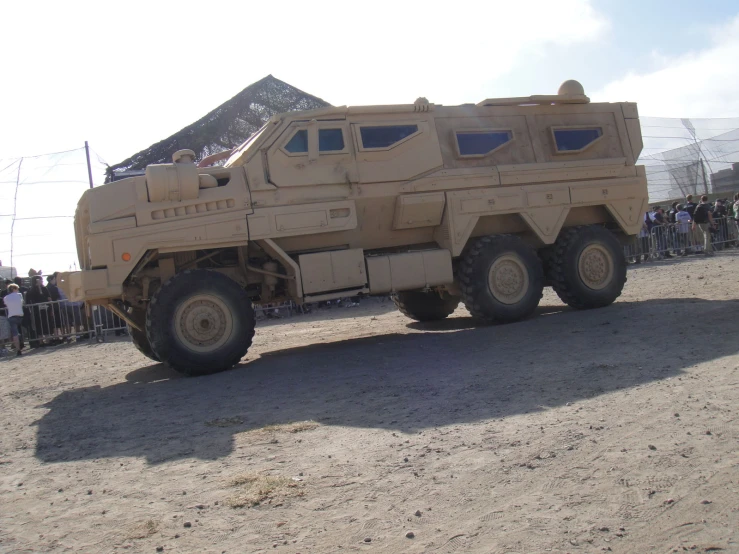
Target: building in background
(726,180)
(7,272)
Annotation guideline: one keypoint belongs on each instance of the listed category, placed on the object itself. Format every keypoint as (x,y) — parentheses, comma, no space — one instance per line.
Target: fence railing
(680,239)
(49,323)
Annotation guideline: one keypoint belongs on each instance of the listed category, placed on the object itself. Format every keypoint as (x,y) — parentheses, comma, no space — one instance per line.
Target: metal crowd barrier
(106,322)
(680,239)
(5,338)
(50,323)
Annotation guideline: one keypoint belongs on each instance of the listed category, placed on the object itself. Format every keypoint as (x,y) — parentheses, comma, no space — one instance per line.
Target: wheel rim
(203,323)
(595,266)
(508,279)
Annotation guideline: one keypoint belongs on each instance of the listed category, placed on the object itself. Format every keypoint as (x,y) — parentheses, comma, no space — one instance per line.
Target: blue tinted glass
(330,140)
(299,142)
(475,144)
(382,137)
(575,139)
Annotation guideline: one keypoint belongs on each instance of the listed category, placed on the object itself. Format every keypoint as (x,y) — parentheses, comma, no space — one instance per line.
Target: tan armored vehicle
(482,203)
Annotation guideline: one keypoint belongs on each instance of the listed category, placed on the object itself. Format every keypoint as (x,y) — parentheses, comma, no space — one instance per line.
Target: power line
(37,217)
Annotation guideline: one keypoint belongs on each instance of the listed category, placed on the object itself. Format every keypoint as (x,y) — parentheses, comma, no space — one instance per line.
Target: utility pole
(89,168)
(705,182)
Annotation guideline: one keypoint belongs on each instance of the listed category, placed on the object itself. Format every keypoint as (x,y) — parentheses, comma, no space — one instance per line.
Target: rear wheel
(425,306)
(587,267)
(200,322)
(501,279)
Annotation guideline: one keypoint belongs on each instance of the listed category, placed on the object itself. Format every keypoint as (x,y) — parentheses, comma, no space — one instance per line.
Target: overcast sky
(124,75)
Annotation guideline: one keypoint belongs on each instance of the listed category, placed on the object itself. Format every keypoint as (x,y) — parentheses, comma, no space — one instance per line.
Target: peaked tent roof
(228,125)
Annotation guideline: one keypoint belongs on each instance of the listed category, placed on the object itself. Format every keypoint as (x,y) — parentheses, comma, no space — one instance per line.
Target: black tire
(425,306)
(216,307)
(141,342)
(514,290)
(139,338)
(606,263)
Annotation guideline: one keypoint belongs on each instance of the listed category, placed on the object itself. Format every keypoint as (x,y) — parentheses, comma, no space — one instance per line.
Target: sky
(125,75)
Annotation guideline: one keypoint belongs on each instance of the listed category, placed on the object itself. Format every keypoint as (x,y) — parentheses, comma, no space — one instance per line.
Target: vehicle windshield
(246,145)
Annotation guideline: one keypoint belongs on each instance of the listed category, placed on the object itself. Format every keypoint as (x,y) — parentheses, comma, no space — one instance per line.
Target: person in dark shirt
(660,233)
(23,290)
(702,222)
(719,230)
(689,204)
(55,297)
(672,213)
(40,315)
(4,292)
(719,210)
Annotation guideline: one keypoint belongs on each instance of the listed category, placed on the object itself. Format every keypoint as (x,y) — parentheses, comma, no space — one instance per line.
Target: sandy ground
(608,430)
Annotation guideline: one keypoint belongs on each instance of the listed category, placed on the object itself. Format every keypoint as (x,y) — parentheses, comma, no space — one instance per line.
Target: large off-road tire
(141,342)
(139,338)
(587,267)
(425,306)
(200,322)
(501,279)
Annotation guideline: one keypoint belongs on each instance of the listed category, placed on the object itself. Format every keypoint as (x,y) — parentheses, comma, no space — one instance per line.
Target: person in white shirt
(683,221)
(14,304)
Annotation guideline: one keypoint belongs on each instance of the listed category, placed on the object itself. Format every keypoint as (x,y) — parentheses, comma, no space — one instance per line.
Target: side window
(298,143)
(575,140)
(386,135)
(330,140)
(481,143)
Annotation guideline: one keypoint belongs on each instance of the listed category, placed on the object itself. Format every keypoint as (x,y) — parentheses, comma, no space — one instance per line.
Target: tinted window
(476,144)
(382,137)
(575,139)
(330,140)
(299,142)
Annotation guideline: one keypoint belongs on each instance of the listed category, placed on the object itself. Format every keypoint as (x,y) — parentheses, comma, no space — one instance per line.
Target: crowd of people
(688,228)
(41,313)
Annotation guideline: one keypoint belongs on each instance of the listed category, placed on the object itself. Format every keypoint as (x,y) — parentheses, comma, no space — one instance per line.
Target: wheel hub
(595,266)
(508,279)
(203,323)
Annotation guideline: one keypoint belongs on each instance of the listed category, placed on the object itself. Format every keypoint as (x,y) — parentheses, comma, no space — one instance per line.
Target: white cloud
(702,83)
(125,78)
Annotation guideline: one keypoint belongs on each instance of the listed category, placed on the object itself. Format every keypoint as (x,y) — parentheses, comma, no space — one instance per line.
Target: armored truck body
(482,203)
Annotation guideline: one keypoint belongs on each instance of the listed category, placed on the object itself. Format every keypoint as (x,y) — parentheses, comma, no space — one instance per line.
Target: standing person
(26,313)
(14,303)
(644,237)
(23,290)
(702,222)
(56,309)
(671,231)
(5,291)
(689,204)
(659,231)
(735,208)
(672,214)
(683,221)
(719,216)
(36,299)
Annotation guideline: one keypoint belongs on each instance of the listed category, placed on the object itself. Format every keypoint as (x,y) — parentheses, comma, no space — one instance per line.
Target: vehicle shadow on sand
(452,373)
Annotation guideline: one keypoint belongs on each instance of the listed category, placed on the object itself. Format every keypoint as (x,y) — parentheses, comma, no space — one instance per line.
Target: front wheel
(139,338)
(587,267)
(200,322)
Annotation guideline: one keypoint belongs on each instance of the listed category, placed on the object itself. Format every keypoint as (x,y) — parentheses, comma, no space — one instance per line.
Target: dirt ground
(609,430)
